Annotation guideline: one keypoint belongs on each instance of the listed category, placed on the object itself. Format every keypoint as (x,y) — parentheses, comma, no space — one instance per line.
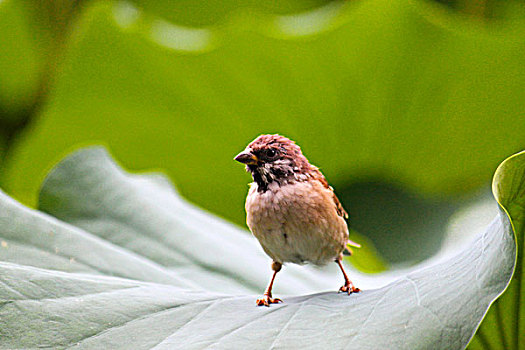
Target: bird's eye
(270,153)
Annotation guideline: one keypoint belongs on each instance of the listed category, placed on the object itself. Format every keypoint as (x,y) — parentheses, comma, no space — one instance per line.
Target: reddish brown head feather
(288,149)
(276,141)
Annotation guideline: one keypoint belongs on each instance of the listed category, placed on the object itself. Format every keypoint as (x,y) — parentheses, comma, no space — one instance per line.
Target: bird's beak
(246,157)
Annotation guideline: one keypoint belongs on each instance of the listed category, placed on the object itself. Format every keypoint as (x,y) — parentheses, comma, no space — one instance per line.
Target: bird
(292,210)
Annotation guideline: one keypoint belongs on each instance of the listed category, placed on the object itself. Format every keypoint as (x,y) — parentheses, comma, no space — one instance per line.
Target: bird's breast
(296,222)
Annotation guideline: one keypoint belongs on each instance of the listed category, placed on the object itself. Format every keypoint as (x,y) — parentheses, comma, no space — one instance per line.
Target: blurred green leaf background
(403,104)
(407,106)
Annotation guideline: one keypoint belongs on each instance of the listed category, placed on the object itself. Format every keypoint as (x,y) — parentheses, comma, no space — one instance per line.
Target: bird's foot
(267,300)
(349,288)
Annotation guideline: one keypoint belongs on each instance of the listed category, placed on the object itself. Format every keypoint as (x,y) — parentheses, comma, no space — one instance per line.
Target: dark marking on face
(262,182)
(268,154)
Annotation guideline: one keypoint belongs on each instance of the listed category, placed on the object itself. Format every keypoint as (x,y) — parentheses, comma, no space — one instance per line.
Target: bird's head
(275,159)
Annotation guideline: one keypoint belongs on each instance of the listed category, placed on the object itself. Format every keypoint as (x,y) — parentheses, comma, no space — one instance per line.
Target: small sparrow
(291,209)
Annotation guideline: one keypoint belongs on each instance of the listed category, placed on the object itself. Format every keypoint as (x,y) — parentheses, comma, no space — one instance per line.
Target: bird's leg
(348,287)
(267,299)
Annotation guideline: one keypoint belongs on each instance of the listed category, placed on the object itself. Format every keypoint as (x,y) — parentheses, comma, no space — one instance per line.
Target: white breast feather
(297,222)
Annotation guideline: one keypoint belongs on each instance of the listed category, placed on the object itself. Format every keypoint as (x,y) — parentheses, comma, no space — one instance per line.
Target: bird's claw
(349,288)
(267,300)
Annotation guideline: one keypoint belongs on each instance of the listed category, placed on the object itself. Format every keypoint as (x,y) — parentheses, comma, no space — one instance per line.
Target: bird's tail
(348,250)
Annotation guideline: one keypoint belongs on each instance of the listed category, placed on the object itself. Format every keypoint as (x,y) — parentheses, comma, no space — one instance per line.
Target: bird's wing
(339,207)
(340,210)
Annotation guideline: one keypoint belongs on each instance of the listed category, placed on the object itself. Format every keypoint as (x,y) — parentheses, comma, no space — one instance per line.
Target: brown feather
(339,207)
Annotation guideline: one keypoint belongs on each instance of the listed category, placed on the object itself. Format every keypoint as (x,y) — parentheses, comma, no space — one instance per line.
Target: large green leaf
(396,88)
(3,146)
(20,63)
(438,306)
(199,13)
(32,238)
(88,190)
(504,325)
(34,35)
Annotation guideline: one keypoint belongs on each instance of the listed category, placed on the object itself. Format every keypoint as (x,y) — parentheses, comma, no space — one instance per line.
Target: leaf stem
(483,339)
(518,272)
(499,321)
